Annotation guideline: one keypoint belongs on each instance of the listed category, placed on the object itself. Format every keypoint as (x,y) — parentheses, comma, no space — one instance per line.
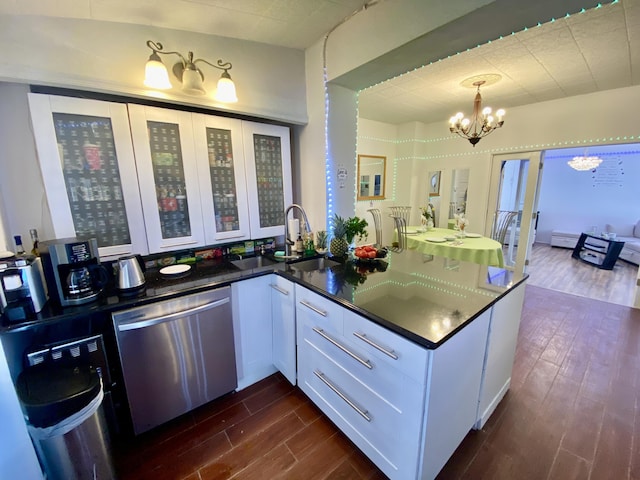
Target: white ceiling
(288,23)
(587,52)
(592,51)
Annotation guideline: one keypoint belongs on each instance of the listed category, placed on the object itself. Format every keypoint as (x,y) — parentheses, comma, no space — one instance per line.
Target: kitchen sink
(320,263)
(250,263)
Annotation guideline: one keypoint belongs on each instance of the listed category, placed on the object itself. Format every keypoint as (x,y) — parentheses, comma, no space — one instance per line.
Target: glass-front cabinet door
(221,171)
(168,177)
(268,161)
(88,168)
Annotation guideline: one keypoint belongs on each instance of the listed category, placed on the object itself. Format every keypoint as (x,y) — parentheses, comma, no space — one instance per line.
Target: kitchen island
(434,339)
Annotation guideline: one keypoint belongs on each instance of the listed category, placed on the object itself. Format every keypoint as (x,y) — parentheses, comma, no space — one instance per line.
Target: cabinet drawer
(318,310)
(388,436)
(388,383)
(386,347)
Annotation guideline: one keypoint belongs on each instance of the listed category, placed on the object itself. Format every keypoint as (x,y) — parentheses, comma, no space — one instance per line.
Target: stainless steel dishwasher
(176,355)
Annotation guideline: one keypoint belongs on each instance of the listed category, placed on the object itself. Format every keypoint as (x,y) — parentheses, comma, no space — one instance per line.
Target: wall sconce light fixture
(191,77)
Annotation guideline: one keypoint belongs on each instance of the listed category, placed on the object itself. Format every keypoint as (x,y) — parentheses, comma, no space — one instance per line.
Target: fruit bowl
(369,253)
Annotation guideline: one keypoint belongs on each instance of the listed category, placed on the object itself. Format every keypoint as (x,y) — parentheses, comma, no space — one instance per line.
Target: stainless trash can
(63,406)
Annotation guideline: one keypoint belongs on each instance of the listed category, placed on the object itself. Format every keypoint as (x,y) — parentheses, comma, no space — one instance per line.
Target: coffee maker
(22,289)
(72,270)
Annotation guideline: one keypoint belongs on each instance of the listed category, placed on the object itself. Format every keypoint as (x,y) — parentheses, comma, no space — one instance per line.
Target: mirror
(459,188)
(371,177)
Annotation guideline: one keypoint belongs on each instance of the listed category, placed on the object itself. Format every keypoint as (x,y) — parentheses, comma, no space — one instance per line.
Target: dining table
(444,242)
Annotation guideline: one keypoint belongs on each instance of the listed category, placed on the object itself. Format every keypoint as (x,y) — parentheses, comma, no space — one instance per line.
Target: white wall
(110,57)
(377,138)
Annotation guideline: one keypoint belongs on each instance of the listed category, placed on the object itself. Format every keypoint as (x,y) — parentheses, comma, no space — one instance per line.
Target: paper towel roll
(294,229)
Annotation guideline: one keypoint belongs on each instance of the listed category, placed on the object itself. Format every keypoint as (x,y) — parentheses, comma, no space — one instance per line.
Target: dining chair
(401,228)
(403,212)
(377,222)
(502,219)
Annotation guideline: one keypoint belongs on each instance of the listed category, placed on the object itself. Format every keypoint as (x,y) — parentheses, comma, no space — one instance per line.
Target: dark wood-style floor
(573,412)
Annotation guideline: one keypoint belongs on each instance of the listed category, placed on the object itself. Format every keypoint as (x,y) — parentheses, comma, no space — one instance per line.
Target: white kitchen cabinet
(221,171)
(500,353)
(363,377)
(452,394)
(268,165)
(89,172)
(284,326)
(252,328)
(165,159)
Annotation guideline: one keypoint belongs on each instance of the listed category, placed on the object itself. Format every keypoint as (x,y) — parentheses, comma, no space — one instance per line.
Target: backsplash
(249,247)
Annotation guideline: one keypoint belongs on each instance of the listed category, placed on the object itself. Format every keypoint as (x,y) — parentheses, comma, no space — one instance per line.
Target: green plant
(356,227)
(344,232)
(321,239)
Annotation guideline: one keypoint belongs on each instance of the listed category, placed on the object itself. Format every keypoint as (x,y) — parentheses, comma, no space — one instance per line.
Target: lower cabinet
(500,353)
(405,406)
(252,329)
(451,402)
(363,382)
(283,317)
(264,327)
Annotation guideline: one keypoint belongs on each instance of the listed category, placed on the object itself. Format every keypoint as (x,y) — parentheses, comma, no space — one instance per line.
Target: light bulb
(226,91)
(155,74)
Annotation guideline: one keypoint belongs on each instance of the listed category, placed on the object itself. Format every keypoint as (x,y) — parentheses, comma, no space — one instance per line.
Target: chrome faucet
(307,228)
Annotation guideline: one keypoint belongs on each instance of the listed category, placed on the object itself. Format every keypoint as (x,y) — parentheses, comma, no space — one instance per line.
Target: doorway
(513,200)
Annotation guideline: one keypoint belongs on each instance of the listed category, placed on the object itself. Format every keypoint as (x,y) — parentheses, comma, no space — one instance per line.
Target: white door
(515,182)
(268,157)
(221,171)
(168,177)
(88,168)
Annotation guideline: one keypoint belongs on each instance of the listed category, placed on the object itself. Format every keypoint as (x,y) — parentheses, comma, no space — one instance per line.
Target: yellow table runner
(482,250)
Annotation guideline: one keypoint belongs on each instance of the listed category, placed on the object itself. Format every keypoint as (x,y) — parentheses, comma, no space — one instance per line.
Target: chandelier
(584,163)
(482,123)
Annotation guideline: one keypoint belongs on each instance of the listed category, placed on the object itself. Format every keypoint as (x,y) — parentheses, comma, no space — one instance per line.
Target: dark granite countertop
(424,298)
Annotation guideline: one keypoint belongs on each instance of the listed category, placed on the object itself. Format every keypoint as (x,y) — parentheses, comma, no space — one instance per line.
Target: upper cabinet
(221,171)
(88,169)
(145,180)
(268,156)
(165,157)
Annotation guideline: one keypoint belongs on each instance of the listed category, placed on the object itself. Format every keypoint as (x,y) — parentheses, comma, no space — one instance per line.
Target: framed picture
(371,177)
(434,184)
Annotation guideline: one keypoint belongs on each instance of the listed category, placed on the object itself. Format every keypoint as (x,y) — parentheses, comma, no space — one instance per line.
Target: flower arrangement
(461,221)
(427,212)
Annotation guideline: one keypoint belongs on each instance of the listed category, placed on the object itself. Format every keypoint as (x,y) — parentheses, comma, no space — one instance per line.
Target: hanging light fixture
(482,122)
(191,77)
(584,162)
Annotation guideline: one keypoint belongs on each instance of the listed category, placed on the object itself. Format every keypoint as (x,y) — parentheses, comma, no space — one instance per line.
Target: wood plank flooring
(553,267)
(573,412)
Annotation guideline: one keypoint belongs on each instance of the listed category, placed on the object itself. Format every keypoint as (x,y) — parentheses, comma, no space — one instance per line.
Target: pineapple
(339,245)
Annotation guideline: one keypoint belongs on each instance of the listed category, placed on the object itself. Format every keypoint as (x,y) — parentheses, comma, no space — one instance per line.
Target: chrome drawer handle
(320,332)
(279,289)
(364,338)
(364,414)
(317,310)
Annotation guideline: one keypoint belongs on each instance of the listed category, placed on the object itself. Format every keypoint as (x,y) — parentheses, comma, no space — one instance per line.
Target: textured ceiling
(596,50)
(592,51)
(288,23)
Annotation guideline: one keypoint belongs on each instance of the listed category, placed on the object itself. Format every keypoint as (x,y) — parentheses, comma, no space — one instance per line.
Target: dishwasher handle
(171,316)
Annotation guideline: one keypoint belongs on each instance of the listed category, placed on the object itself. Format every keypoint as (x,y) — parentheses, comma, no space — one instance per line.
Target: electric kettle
(130,273)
